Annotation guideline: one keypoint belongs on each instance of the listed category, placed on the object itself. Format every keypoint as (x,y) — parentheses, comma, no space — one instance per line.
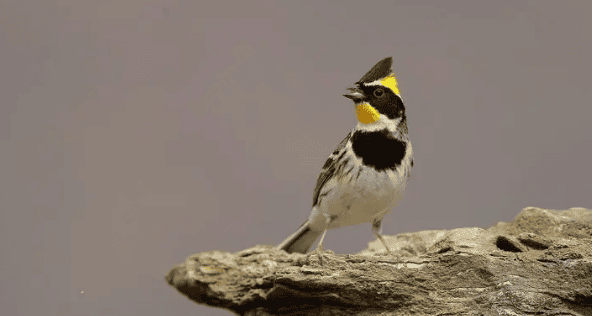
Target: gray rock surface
(538,264)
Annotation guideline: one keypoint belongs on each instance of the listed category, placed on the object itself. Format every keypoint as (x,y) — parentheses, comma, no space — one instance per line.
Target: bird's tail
(301,240)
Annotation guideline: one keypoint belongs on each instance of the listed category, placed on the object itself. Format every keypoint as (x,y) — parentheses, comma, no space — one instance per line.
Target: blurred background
(136,133)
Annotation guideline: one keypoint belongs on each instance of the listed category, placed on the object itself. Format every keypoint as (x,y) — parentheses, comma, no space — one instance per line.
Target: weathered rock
(540,263)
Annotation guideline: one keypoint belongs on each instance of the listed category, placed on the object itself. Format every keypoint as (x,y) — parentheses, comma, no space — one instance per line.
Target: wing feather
(329,169)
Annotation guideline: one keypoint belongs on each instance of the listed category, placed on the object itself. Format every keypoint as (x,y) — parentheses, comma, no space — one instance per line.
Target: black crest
(380,70)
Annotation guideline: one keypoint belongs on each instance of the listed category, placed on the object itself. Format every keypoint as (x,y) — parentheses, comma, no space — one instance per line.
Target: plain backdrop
(136,133)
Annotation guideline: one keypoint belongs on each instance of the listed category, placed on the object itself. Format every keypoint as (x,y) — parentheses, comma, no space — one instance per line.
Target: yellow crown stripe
(391,83)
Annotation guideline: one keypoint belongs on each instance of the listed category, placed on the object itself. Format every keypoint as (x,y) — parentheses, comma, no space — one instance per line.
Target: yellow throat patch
(367,114)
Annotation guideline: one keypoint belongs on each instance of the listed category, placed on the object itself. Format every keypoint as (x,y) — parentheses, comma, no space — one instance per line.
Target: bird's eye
(378,93)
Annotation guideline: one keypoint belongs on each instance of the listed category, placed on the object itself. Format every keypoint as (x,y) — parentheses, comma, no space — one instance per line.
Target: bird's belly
(359,198)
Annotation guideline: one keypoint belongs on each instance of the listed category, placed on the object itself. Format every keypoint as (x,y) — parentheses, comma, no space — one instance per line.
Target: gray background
(135,133)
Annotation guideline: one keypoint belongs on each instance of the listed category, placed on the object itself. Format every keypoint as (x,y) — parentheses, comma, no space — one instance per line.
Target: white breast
(362,195)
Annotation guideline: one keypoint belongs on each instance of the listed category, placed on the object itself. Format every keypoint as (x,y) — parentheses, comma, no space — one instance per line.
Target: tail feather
(301,240)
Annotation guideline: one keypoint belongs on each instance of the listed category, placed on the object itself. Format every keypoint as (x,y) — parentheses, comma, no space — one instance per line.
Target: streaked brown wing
(329,169)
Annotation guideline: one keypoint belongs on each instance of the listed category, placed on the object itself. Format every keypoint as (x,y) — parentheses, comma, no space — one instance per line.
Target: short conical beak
(355,94)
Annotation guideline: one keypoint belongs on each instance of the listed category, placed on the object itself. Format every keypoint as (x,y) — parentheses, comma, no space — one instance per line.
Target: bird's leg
(319,250)
(377,229)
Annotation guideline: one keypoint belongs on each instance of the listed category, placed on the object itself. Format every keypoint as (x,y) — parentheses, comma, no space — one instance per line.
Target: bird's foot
(318,252)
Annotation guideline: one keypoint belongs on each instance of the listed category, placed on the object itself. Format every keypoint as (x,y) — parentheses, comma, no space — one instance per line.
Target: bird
(365,176)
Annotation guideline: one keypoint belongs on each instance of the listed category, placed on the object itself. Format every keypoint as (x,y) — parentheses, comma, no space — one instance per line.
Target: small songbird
(364,178)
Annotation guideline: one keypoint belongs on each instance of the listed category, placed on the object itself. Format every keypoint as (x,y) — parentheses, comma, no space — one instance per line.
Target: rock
(539,263)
